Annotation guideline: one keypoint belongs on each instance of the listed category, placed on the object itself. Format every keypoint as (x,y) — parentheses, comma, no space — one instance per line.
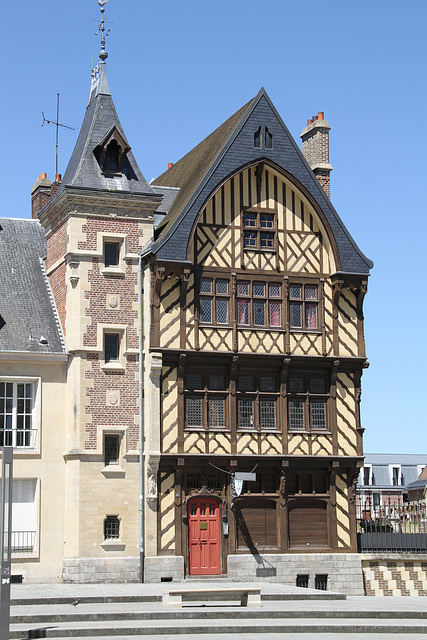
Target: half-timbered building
(254,352)
(211,352)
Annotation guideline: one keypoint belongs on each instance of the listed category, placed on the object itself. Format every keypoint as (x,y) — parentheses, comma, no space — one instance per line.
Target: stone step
(247,626)
(35,616)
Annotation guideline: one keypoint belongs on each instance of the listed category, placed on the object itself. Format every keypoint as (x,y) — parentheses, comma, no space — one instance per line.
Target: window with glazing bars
(257,400)
(205,406)
(259,303)
(303,306)
(111,528)
(259,230)
(214,300)
(16,414)
(307,401)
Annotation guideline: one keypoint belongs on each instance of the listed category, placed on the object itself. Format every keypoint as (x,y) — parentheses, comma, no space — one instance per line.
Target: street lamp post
(6,539)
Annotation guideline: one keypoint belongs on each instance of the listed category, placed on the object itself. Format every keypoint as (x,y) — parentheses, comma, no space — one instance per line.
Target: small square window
(246,383)
(267,383)
(259,289)
(205,286)
(216,383)
(222,287)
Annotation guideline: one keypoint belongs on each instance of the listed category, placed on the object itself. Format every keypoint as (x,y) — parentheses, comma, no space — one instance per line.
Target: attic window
(112,157)
(111,151)
(263,138)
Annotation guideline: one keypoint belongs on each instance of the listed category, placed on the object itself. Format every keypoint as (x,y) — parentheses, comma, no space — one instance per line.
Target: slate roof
(223,152)
(83,170)
(26,302)
(380,462)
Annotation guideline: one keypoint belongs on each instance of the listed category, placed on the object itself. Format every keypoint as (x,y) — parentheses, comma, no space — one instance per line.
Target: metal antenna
(58,124)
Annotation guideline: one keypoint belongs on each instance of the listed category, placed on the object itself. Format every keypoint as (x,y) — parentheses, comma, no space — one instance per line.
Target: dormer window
(112,157)
(111,151)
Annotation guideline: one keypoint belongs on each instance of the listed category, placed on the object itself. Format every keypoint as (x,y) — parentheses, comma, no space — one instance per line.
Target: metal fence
(387,523)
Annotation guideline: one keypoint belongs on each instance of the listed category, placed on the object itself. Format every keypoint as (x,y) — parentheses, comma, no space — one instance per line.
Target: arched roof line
(288,176)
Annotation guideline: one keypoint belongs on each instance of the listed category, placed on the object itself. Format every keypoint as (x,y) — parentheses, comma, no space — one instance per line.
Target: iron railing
(387,523)
(23,541)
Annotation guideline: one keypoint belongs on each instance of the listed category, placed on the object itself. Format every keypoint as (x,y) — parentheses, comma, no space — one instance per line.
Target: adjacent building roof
(410,465)
(29,322)
(223,153)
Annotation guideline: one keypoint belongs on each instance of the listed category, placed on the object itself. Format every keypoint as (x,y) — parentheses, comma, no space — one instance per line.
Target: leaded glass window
(214,300)
(194,412)
(296,414)
(303,306)
(246,414)
(259,230)
(216,412)
(318,413)
(268,414)
(307,403)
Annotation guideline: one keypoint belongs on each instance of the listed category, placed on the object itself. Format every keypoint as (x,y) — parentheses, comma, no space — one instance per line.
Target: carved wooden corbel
(181,372)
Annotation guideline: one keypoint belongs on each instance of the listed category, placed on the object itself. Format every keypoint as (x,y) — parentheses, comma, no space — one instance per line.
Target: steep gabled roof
(83,170)
(26,302)
(221,154)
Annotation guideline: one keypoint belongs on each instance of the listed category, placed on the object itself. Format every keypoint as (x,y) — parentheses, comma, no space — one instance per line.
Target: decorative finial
(103,54)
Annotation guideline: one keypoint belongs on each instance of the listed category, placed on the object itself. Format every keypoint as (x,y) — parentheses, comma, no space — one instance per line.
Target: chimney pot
(43,176)
(170,165)
(309,121)
(321,115)
(315,117)
(58,177)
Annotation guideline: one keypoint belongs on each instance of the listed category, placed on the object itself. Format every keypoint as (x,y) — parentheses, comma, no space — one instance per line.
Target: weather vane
(101,28)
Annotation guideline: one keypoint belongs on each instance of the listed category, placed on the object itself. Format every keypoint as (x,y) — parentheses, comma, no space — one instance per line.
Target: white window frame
(34,446)
(391,467)
(36,506)
(362,475)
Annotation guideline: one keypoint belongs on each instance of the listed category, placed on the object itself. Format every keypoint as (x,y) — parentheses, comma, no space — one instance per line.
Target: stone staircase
(285,614)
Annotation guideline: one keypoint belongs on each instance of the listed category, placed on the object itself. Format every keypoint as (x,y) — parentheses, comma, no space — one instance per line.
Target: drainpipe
(141,436)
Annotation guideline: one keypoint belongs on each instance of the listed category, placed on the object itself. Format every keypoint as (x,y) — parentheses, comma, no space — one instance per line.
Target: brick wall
(395,575)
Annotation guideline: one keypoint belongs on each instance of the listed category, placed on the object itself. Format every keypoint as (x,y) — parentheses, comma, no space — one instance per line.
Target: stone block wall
(164,569)
(344,570)
(92,570)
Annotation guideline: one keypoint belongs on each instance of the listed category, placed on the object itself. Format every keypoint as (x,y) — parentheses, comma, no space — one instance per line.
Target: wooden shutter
(308,524)
(256,523)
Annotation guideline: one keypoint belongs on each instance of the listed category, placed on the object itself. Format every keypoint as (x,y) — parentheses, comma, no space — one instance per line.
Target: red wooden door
(203,537)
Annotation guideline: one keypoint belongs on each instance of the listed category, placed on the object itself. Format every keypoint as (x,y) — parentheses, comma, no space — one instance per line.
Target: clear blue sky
(178,69)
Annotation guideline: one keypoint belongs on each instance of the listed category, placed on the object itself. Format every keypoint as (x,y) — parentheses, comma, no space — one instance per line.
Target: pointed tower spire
(99,82)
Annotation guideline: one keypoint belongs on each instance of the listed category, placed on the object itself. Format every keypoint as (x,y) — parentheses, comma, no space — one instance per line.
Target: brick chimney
(315,148)
(42,192)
